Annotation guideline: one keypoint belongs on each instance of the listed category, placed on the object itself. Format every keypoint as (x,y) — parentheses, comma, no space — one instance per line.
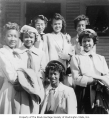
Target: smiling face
(54,77)
(57,25)
(87,44)
(40,26)
(29,39)
(81,26)
(11,38)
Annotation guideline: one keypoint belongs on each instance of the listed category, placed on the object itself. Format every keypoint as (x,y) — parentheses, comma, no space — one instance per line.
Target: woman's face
(54,77)
(40,26)
(28,39)
(87,44)
(57,25)
(81,26)
(11,38)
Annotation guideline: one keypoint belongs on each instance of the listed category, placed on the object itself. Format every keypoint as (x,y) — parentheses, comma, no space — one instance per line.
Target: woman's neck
(28,47)
(57,33)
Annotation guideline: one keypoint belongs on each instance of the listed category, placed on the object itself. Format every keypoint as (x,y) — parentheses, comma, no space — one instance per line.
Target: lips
(29,42)
(12,43)
(53,81)
(87,47)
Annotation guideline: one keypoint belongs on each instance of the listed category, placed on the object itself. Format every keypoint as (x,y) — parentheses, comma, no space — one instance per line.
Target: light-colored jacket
(65,100)
(8,66)
(83,68)
(52,48)
(38,59)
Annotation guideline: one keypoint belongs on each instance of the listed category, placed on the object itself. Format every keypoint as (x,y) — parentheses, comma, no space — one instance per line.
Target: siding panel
(13,11)
(72,11)
(103,48)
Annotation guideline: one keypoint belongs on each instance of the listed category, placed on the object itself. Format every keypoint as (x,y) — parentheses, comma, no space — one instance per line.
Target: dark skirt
(93,99)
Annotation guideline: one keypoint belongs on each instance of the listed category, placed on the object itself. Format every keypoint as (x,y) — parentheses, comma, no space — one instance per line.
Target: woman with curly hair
(91,74)
(59,99)
(57,46)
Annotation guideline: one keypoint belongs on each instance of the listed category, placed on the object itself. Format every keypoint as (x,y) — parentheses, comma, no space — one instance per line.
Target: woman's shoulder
(100,56)
(3,50)
(48,34)
(66,89)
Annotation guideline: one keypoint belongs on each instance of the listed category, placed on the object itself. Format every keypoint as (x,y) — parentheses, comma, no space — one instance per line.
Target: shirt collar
(8,48)
(87,53)
(32,49)
(56,89)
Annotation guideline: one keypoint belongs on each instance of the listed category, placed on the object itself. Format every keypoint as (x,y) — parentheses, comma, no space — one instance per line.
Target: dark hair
(42,17)
(11,26)
(80,18)
(89,33)
(57,16)
(22,34)
(55,66)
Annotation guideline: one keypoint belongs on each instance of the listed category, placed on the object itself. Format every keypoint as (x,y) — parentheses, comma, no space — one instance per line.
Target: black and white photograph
(54,58)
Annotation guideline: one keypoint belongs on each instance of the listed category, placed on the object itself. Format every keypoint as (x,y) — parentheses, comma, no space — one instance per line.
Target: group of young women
(52,73)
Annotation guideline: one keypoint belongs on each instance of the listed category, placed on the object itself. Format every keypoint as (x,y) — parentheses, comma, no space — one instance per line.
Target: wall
(14,11)
(72,10)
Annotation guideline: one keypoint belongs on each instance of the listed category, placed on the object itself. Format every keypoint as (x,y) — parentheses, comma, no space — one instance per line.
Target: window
(99,18)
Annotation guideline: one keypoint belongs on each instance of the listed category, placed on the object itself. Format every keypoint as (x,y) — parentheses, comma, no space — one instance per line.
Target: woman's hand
(90,81)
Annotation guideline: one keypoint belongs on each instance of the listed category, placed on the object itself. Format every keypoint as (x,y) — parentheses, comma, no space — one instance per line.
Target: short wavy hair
(57,16)
(11,26)
(22,36)
(89,33)
(25,30)
(80,18)
(55,66)
(42,17)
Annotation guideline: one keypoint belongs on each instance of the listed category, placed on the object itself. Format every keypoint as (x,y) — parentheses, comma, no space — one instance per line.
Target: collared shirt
(37,55)
(65,100)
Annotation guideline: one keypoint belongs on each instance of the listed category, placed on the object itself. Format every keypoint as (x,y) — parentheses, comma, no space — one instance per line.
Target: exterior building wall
(15,10)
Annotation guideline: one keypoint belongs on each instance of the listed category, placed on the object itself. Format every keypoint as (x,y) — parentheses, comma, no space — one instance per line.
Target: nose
(13,38)
(53,76)
(86,42)
(39,26)
(29,38)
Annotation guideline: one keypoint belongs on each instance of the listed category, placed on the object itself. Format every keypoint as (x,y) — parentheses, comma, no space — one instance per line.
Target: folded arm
(81,80)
